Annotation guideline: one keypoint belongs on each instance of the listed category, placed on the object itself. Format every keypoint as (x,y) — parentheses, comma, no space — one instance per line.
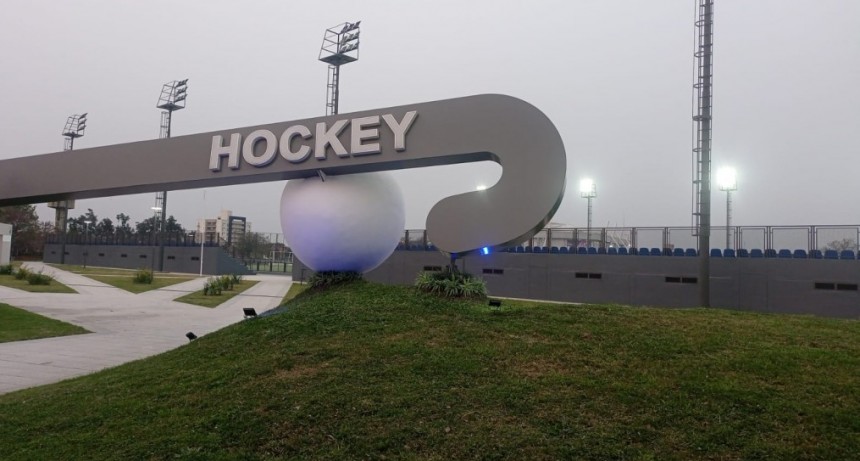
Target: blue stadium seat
(716,253)
(581,251)
(528,249)
(656,252)
(799,254)
(831,254)
(592,250)
(815,254)
(691,252)
(770,253)
(622,251)
(601,251)
(537,249)
(756,253)
(553,250)
(678,252)
(728,253)
(743,253)
(643,252)
(846,254)
(613,251)
(785,254)
(563,250)
(521,249)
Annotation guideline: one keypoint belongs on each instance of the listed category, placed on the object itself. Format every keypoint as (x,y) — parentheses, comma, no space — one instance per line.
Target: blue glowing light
(485,251)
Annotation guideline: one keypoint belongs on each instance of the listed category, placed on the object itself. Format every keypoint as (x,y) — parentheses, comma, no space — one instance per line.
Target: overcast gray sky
(614,76)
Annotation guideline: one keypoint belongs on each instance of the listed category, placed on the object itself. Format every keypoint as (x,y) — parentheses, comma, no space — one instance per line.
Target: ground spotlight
(249,312)
(495,304)
(191,336)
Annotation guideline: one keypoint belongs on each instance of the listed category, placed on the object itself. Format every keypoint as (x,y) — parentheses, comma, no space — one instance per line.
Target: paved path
(124,326)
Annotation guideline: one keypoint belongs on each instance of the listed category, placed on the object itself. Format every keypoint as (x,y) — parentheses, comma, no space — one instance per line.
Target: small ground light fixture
(249,312)
(191,336)
(495,304)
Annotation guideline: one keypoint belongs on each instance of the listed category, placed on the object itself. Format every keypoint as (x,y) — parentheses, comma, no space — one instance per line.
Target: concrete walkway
(124,326)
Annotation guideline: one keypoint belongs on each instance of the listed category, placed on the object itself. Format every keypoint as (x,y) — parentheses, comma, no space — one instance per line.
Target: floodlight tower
(75,127)
(172,98)
(340,46)
(702,93)
(728,181)
(588,190)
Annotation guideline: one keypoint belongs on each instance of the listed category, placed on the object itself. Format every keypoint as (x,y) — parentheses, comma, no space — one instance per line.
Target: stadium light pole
(74,128)
(588,190)
(172,98)
(339,47)
(727,180)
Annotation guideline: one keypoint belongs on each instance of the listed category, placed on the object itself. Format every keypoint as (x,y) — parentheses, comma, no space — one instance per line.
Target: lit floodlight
(481,187)
(727,178)
(587,188)
(155,208)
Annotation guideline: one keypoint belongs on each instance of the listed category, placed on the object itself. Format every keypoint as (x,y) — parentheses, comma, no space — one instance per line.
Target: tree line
(28,233)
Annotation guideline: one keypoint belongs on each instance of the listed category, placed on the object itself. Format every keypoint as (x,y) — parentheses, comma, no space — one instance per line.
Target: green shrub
(6,270)
(330,278)
(143,276)
(236,278)
(212,287)
(38,278)
(22,273)
(451,284)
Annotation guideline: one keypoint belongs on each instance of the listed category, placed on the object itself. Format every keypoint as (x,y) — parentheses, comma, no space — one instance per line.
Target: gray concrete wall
(176,259)
(764,285)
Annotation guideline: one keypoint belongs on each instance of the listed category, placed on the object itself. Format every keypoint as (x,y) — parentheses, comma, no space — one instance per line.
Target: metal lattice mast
(702,90)
(172,98)
(74,128)
(340,46)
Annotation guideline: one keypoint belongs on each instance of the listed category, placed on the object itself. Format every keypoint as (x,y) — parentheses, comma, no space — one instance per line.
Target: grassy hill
(370,371)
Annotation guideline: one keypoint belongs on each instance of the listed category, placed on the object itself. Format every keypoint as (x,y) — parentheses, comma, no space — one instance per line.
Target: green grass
(54,287)
(124,278)
(295,289)
(370,372)
(197,298)
(17,325)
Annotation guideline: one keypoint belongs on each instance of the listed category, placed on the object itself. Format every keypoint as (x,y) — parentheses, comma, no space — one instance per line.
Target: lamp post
(588,190)
(728,181)
(86,240)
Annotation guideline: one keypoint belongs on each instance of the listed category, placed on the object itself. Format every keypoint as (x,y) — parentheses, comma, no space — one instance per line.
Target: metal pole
(86,242)
(728,218)
(704,119)
(588,228)
(336,89)
(203,236)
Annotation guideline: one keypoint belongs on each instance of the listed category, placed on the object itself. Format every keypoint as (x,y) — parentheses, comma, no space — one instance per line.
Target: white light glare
(727,178)
(481,187)
(587,187)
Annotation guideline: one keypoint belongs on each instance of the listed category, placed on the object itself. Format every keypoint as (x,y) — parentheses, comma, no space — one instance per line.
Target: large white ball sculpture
(345,223)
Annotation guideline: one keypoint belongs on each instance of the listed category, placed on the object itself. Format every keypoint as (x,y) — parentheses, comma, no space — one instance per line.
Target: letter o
(268,155)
